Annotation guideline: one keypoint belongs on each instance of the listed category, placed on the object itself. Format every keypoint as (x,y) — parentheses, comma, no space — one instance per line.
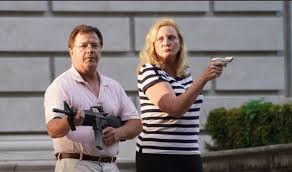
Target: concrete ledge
(244,151)
(272,158)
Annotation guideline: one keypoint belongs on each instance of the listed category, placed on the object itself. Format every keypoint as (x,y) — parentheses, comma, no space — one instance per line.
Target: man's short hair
(84,29)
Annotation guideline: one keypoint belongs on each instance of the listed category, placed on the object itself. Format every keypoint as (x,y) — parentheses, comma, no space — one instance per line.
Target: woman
(170,102)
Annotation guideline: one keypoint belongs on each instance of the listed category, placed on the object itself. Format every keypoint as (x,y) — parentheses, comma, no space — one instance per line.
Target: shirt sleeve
(148,76)
(54,97)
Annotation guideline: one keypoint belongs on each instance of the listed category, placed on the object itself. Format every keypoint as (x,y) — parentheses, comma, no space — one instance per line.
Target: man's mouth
(90,58)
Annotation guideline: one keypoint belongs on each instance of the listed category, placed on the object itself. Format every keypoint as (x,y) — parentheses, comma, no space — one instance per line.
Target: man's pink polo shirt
(71,87)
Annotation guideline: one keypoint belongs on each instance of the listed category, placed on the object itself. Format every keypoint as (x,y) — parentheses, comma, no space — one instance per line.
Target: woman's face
(166,43)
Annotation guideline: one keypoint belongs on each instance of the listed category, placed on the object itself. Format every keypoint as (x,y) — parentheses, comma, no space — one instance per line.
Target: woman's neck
(170,69)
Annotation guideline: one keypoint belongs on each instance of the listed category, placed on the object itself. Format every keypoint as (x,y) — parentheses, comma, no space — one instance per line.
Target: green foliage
(255,123)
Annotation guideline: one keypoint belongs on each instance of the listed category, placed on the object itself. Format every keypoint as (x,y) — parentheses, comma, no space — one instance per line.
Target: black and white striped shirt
(163,134)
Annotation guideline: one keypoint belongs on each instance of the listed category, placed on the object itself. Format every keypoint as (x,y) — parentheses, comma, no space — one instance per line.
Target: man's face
(86,52)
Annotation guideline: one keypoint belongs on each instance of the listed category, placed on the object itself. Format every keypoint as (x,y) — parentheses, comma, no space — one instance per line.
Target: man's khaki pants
(75,165)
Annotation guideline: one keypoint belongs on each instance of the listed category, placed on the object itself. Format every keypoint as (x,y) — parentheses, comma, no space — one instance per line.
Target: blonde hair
(148,54)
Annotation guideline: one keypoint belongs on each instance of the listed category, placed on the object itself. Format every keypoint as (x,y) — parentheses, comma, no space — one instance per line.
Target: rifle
(94,117)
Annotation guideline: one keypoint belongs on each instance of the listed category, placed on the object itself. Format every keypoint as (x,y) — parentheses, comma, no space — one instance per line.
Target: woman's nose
(166,42)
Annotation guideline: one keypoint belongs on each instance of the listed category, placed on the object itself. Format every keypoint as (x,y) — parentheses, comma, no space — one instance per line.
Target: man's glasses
(83,47)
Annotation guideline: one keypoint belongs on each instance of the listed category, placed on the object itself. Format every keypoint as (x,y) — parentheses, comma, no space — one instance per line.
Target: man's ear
(70,51)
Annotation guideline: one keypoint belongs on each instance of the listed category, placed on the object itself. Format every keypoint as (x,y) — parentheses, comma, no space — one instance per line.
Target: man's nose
(89,48)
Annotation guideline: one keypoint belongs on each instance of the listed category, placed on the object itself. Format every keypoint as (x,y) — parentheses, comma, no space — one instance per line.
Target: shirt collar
(77,77)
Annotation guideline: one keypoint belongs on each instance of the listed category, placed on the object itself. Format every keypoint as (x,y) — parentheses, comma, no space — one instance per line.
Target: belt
(81,156)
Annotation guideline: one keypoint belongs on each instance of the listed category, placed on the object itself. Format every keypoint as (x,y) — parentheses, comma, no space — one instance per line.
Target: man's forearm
(130,129)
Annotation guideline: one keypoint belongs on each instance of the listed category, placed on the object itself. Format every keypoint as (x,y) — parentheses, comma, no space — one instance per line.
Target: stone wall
(33,36)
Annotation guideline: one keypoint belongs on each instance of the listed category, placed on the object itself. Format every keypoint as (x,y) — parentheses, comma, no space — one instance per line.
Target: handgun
(225,60)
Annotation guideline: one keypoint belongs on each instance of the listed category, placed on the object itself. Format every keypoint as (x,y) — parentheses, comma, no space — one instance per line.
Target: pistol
(225,60)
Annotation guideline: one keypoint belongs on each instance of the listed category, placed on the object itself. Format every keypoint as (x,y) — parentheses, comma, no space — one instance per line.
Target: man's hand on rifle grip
(79,117)
(110,135)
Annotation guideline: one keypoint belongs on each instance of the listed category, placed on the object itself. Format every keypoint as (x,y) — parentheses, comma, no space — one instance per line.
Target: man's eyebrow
(89,43)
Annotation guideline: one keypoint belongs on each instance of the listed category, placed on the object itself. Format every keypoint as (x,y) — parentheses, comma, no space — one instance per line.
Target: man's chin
(92,65)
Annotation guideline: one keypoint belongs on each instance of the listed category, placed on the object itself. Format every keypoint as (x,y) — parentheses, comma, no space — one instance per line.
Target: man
(82,86)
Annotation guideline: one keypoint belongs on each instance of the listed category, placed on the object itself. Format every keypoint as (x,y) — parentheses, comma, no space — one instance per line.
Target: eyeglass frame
(83,47)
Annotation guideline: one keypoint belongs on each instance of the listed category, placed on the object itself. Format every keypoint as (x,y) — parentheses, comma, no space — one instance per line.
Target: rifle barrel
(61,111)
